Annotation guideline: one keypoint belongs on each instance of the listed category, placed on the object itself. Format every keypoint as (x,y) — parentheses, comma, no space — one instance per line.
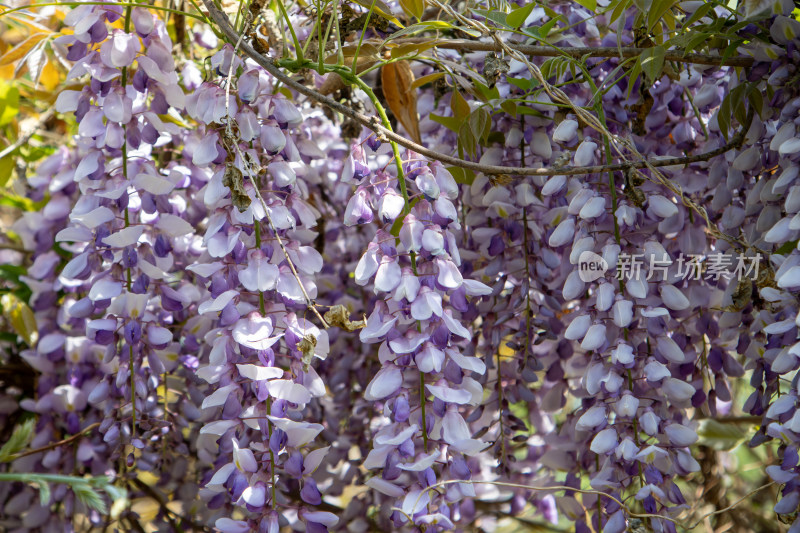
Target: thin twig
(59,443)
(25,138)
(162,502)
(252,176)
(731,506)
(372,123)
(544,488)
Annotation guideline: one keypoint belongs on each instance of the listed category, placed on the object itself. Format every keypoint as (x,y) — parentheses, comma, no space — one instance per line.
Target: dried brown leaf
(397,80)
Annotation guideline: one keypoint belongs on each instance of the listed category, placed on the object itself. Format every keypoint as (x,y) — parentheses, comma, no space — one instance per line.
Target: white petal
(563,233)
(385,487)
(219,396)
(286,389)
(388,275)
(593,208)
(674,298)
(105,289)
(153,184)
(605,441)
(661,206)
(670,350)
(385,383)
(124,237)
(448,395)
(565,131)
(259,373)
(578,327)
(592,418)
(298,433)
(173,225)
(218,303)
(243,458)
(595,337)
(680,435)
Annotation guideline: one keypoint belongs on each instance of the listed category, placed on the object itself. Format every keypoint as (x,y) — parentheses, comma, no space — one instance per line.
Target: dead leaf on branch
(339,316)
(396,80)
(306,346)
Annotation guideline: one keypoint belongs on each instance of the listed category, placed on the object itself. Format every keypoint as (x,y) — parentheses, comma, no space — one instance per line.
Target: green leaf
(381,9)
(7,167)
(636,70)
(591,5)
(786,248)
(479,123)
(658,10)
(19,440)
(9,102)
(413,8)
(451,123)
(498,17)
(756,101)
(724,115)
(467,140)
(545,28)
(459,106)
(652,61)
(619,9)
(21,317)
(516,18)
(695,41)
(522,83)
(724,437)
(462,175)
(699,13)
(509,107)
(89,496)
(44,494)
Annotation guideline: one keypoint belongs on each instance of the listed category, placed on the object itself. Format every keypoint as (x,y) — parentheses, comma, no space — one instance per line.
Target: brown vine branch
(372,123)
(168,513)
(59,443)
(578,52)
(731,506)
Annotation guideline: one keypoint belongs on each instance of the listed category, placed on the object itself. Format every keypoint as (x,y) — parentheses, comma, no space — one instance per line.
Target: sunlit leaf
(9,102)
(21,317)
(413,8)
(19,439)
(653,62)
(381,8)
(516,18)
(19,51)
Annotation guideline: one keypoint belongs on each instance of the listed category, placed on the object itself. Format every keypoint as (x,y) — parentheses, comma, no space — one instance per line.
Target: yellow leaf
(21,317)
(50,77)
(396,80)
(19,51)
